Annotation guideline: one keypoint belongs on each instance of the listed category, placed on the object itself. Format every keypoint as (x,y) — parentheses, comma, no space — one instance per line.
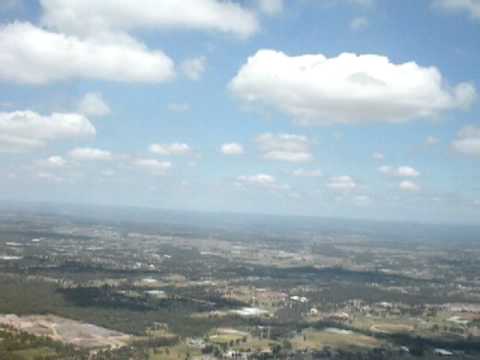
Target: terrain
(103,283)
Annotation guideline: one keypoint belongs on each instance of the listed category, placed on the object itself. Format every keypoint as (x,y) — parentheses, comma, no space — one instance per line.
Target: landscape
(239,179)
(78,285)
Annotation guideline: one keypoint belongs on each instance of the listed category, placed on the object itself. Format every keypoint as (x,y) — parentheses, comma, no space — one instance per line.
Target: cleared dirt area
(66,330)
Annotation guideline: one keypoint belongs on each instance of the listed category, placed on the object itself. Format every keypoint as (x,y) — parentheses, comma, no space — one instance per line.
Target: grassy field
(255,344)
(392,328)
(33,354)
(393,325)
(227,336)
(161,333)
(180,351)
(319,339)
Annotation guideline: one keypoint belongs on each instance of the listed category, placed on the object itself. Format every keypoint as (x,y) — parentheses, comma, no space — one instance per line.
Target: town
(103,290)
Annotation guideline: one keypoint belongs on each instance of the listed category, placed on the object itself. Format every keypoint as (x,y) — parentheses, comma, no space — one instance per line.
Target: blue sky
(348,108)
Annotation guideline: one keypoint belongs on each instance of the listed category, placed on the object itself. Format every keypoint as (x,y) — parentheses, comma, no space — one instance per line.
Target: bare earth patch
(67,331)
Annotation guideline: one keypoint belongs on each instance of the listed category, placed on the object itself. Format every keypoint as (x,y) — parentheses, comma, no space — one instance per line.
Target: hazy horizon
(351,109)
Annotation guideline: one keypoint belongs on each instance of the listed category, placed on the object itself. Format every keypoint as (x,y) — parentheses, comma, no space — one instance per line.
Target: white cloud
(178,107)
(194,68)
(407,171)
(93,16)
(378,156)
(14,144)
(232,149)
(349,88)
(472,7)
(359,23)
(27,130)
(431,140)
(170,149)
(32,55)
(400,171)
(307,173)
(407,185)
(271,7)
(261,180)
(54,161)
(153,166)
(90,154)
(468,141)
(285,147)
(93,104)
(342,183)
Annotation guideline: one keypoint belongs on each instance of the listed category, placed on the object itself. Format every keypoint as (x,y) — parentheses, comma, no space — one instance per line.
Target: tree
(287,345)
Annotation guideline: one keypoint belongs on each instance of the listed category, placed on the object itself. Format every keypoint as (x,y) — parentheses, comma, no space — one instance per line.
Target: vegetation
(288,294)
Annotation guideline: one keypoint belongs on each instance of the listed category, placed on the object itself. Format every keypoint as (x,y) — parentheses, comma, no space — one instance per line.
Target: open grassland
(340,339)
(227,336)
(34,354)
(240,340)
(392,328)
(381,325)
(180,351)
(256,344)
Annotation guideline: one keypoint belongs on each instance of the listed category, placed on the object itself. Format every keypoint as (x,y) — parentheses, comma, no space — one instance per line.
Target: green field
(319,339)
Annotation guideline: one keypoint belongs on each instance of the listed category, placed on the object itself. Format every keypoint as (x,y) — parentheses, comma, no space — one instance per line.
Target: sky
(331,108)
